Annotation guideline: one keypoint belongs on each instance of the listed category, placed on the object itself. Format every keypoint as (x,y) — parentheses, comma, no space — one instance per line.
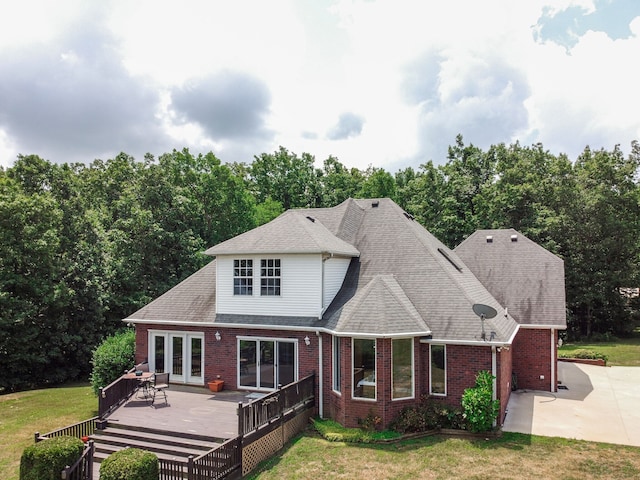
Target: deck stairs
(166,445)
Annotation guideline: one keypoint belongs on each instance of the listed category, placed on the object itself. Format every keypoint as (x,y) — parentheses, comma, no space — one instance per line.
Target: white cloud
(417,73)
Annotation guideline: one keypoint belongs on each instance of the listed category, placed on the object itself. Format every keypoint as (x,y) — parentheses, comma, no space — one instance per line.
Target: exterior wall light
(307,341)
(218,336)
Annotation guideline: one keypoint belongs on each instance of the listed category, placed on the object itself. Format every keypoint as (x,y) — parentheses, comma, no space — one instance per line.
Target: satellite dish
(484,311)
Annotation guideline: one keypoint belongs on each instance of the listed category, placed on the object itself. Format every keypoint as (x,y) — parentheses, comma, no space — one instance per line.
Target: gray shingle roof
(521,275)
(191,301)
(405,281)
(392,243)
(291,232)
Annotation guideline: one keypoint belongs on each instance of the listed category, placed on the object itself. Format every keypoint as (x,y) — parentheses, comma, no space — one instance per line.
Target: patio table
(144,378)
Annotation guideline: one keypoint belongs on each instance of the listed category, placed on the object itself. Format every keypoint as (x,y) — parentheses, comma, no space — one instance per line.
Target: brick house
(370,301)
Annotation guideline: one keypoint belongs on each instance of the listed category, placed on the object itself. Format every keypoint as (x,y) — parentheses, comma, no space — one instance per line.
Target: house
(370,301)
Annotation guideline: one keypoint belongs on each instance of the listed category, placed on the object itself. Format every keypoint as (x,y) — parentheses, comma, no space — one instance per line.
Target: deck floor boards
(210,414)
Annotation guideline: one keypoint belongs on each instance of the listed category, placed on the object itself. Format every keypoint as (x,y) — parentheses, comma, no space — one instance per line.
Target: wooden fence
(83,468)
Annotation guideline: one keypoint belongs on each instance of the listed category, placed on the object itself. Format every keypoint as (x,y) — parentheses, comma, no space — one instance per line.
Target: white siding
(334,271)
(300,294)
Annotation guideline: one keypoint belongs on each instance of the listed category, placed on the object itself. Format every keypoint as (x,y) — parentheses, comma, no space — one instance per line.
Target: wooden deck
(201,413)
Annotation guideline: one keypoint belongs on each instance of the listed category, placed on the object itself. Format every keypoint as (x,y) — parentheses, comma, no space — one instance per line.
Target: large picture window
(402,368)
(243,277)
(438,369)
(270,276)
(364,368)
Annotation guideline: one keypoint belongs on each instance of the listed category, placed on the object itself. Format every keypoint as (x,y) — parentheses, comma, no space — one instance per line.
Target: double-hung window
(270,276)
(243,277)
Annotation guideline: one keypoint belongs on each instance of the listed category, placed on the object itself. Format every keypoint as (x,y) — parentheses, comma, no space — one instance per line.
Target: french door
(265,363)
(179,353)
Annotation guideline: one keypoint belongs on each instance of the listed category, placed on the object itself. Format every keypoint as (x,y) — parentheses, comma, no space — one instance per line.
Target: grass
(513,455)
(24,413)
(334,432)
(620,352)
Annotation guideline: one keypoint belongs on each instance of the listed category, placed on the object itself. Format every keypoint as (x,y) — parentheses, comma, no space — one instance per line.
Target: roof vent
(375,204)
(489,238)
(311,219)
(514,238)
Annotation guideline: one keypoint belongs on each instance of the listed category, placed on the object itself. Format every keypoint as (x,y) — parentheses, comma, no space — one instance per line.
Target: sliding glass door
(265,363)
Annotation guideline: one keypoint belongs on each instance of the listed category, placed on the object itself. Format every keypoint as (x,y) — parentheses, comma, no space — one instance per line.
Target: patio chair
(145,385)
(160,384)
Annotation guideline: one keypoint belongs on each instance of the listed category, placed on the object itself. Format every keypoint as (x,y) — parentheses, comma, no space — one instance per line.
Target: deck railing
(271,407)
(217,463)
(114,394)
(78,430)
(221,462)
(172,469)
(83,468)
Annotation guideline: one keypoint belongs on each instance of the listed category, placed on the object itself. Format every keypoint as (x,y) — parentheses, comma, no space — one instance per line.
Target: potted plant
(216,385)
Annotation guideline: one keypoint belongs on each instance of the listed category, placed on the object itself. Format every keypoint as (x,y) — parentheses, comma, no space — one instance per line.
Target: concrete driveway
(600,404)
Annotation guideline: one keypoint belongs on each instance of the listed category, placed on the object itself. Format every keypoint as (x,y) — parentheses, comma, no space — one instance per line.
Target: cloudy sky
(388,83)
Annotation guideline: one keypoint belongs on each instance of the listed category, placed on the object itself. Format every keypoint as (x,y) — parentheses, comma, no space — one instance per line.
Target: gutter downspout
(320,377)
(553,360)
(494,370)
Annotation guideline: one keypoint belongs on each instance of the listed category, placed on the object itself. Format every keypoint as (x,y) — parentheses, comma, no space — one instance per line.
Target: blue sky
(375,82)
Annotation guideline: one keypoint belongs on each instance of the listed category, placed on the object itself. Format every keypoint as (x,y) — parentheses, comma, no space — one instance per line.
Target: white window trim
(336,366)
(445,371)
(296,367)
(186,353)
(267,277)
(353,367)
(413,371)
(233,276)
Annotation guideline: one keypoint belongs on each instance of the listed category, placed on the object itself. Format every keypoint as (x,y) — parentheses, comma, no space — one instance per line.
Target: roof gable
(523,276)
(291,232)
(380,308)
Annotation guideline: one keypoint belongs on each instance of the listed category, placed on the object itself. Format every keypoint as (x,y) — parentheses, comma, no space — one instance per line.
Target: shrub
(584,354)
(128,464)
(371,422)
(45,460)
(112,357)
(480,410)
(429,415)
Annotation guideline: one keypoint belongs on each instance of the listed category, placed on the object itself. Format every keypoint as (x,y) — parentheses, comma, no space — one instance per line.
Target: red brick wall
(532,358)
(504,369)
(221,357)
(463,363)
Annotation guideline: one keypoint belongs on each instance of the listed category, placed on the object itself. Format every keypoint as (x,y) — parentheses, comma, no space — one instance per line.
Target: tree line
(82,246)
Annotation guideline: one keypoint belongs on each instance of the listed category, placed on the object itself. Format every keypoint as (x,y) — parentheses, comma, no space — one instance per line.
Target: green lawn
(621,352)
(511,456)
(310,456)
(22,414)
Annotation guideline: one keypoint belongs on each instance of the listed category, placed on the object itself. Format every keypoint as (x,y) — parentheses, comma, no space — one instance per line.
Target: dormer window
(243,277)
(270,277)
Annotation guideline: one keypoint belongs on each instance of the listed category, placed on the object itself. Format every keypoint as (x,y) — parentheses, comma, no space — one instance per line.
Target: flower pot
(216,385)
